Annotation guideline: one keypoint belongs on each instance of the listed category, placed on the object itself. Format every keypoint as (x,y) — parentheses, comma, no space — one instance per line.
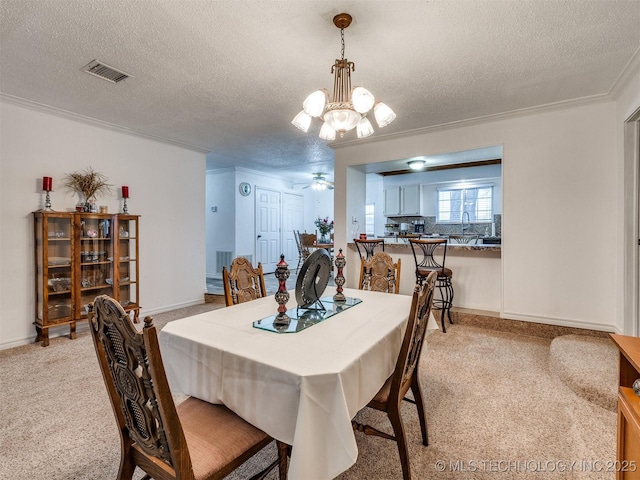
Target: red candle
(125,191)
(47,184)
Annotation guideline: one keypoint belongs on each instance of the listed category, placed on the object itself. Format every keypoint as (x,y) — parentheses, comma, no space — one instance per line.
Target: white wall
(220,194)
(628,170)
(559,189)
(239,211)
(167,189)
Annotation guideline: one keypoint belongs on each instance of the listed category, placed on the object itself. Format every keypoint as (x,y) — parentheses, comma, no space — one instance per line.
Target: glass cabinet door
(95,259)
(127,268)
(54,250)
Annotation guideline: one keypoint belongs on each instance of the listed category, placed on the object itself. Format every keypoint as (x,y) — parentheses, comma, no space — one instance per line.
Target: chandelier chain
(342,41)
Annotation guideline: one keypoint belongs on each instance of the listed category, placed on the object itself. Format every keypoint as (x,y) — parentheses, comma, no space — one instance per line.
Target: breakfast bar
(477,271)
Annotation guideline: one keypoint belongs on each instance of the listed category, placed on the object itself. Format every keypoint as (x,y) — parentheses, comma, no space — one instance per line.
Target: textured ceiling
(228,76)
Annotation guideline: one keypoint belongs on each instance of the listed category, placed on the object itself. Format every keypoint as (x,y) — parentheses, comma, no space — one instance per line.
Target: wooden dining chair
(380,274)
(194,440)
(242,283)
(405,376)
(303,251)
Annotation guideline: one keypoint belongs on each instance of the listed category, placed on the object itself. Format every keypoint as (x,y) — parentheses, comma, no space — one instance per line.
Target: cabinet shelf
(62,249)
(60,292)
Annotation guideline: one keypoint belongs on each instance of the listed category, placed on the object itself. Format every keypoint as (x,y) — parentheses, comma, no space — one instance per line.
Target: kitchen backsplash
(430,226)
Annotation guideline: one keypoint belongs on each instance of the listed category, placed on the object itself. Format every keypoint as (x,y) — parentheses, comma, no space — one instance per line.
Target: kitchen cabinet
(77,257)
(402,200)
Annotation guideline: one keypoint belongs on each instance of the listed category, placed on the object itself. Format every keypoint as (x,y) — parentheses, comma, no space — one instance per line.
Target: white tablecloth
(301,388)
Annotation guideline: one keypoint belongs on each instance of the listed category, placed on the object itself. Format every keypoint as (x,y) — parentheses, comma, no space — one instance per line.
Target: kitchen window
(476,201)
(369,215)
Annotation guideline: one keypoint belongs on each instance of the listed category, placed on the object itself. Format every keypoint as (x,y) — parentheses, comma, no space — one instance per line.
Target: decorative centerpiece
(325,227)
(340,263)
(282,295)
(89,184)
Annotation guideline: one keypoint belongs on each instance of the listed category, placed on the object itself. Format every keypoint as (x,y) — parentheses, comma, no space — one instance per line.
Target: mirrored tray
(303,318)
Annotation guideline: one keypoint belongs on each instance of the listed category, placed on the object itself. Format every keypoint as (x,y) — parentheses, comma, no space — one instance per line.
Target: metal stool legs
(445,302)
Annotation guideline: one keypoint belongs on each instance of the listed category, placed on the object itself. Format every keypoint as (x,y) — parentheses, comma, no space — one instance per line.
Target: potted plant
(325,227)
(89,184)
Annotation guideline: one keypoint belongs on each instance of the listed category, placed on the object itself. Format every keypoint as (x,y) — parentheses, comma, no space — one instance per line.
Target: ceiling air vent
(99,69)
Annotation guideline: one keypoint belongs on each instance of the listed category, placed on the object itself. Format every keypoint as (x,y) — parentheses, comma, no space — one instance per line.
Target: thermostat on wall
(245,189)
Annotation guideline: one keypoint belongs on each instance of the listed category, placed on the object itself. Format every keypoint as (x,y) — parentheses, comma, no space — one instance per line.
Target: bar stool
(368,245)
(423,254)
(466,239)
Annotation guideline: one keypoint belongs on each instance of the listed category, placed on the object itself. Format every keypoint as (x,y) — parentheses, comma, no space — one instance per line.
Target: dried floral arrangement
(88,182)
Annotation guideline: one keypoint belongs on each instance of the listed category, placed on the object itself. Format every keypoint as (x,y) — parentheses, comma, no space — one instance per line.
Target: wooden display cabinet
(627,464)
(79,256)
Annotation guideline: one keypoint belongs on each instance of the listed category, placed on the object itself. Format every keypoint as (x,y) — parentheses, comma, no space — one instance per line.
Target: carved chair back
(380,274)
(135,378)
(242,283)
(414,338)
(308,240)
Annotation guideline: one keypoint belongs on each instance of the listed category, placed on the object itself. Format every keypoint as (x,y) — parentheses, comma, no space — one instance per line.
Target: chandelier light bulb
(327,132)
(342,119)
(302,121)
(364,128)
(384,115)
(362,99)
(314,104)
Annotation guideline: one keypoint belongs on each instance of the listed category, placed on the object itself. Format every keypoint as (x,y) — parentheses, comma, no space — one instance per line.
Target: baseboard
(493,321)
(82,326)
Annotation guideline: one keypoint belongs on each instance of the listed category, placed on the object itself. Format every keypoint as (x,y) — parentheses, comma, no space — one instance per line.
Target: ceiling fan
(319,182)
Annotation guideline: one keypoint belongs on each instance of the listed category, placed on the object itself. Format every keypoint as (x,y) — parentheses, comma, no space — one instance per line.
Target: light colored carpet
(589,366)
(495,410)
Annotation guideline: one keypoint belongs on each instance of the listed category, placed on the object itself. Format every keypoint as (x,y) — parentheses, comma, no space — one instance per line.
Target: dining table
(302,388)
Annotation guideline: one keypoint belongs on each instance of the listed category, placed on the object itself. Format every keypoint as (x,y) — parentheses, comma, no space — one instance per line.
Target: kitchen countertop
(402,243)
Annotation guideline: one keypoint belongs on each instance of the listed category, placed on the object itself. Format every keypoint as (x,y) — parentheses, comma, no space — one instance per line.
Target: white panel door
(268,245)
(292,219)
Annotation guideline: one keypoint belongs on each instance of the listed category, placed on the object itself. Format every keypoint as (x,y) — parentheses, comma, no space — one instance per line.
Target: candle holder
(125,195)
(47,202)
(340,263)
(47,186)
(282,295)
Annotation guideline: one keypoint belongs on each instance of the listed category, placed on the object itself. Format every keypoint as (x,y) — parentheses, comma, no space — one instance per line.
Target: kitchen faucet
(462,223)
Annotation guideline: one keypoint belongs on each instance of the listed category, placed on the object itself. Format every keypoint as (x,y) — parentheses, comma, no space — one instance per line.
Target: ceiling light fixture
(417,164)
(348,108)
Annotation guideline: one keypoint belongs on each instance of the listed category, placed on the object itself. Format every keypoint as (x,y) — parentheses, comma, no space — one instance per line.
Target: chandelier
(348,108)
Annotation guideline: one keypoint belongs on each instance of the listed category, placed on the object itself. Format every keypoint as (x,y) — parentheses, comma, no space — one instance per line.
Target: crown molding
(523,112)
(95,122)
(628,72)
